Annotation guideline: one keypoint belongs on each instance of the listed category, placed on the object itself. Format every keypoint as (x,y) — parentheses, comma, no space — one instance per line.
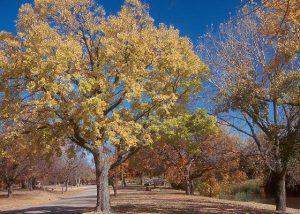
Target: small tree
(186,135)
(19,160)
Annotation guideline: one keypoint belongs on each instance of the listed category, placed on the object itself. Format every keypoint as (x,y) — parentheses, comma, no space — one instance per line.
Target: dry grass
(175,202)
(133,200)
(26,198)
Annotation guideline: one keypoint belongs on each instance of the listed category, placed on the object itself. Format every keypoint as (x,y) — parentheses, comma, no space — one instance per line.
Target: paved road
(77,204)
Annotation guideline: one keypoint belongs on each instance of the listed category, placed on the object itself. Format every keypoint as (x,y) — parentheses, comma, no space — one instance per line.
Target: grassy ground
(133,200)
(168,201)
(26,198)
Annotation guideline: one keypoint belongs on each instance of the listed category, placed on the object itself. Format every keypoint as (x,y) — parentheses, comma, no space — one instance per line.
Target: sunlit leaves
(94,75)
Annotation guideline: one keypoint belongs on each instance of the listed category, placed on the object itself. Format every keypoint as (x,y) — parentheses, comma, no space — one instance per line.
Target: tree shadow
(186,208)
(134,202)
(50,209)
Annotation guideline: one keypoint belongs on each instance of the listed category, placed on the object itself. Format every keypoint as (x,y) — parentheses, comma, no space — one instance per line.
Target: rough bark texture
(280,197)
(102,169)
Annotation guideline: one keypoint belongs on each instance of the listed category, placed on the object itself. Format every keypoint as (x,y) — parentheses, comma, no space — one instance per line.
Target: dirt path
(136,200)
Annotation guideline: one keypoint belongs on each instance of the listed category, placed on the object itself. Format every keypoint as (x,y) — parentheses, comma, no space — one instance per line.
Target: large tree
(257,90)
(93,79)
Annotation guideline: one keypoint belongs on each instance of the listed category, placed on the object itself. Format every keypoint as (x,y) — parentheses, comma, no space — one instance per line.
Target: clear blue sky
(191,17)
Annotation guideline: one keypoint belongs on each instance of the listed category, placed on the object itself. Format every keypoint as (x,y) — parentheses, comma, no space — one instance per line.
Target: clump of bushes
(247,191)
(210,187)
(218,185)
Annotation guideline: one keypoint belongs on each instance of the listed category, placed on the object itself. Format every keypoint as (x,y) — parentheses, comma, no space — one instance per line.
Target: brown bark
(102,169)
(280,194)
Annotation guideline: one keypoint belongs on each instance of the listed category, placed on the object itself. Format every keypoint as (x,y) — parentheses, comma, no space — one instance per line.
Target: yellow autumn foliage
(95,77)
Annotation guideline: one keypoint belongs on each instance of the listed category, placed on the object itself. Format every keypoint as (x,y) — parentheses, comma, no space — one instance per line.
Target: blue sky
(191,17)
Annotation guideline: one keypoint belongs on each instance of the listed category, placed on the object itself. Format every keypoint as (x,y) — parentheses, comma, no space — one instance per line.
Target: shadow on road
(50,209)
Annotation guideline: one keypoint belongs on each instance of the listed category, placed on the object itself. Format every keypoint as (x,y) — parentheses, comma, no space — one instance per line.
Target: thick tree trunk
(280,194)
(102,169)
(9,190)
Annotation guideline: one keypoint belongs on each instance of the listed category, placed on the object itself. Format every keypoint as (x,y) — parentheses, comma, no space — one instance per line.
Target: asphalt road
(76,204)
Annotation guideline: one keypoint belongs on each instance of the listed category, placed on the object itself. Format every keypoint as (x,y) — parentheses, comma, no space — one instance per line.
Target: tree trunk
(102,169)
(115,182)
(67,184)
(124,182)
(33,183)
(30,184)
(142,180)
(9,190)
(280,194)
(114,185)
(23,184)
(77,182)
(192,187)
(189,189)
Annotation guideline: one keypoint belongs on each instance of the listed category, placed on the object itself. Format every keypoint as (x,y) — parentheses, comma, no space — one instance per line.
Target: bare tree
(256,89)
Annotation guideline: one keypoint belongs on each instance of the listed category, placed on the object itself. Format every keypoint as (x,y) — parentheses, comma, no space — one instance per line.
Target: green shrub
(247,191)
(243,196)
(251,186)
